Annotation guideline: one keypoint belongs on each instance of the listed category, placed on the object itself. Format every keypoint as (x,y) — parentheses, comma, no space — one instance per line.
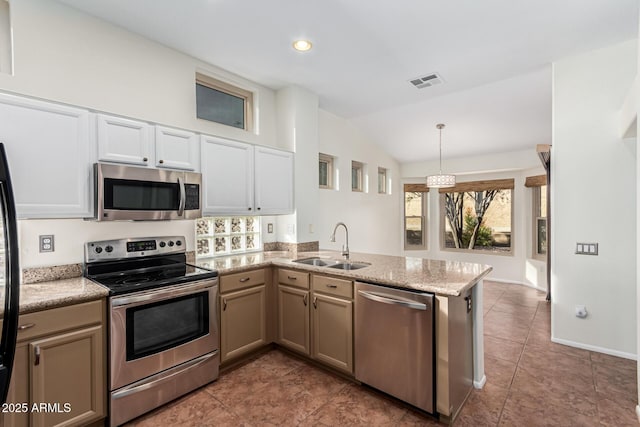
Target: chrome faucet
(345,247)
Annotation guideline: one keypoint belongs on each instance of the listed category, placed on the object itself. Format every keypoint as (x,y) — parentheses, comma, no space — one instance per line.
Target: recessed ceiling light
(302,45)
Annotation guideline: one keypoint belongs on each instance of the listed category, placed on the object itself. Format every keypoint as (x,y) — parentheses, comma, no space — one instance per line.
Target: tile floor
(530,382)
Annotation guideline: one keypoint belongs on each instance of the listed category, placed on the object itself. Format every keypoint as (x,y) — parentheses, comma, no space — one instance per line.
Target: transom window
(478,216)
(325,168)
(221,102)
(382,180)
(357,176)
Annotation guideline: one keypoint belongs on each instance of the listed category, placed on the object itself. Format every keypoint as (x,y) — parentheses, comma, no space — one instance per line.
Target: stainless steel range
(163,333)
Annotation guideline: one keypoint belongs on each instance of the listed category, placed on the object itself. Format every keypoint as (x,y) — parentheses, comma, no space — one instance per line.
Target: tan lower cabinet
(332,322)
(60,368)
(244,315)
(293,318)
(333,331)
(243,325)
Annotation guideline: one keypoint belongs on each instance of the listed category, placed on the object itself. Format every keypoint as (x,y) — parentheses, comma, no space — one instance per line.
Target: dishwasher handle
(392,301)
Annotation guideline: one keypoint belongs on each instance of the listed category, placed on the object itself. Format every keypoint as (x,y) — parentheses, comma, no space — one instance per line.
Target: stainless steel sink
(332,263)
(318,262)
(349,265)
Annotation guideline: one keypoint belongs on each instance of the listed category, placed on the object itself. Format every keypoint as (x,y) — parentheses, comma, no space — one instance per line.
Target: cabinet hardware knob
(26,326)
(36,352)
(161,161)
(249,208)
(259,208)
(292,278)
(224,304)
(315,302)
(144,159)
(331,286)
(304,299)
(244,279)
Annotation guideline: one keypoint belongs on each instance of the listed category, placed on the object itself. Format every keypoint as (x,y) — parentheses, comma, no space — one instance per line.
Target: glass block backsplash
(227,235)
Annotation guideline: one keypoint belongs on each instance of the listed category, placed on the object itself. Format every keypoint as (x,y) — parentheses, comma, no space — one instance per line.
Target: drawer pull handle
(26,326)
(304,299)
(292,278)
(36,352)
(144,159)
(161,161)
(224,304)
(245,279)
(331,286)
(315,302)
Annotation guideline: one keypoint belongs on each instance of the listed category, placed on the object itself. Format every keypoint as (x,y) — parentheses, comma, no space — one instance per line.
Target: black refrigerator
(9,275)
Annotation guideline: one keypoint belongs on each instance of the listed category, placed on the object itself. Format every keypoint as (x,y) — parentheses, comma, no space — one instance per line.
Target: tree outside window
(478,216)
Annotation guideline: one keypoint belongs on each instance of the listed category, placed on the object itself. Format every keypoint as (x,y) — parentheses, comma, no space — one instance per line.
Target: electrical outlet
(581,311)
(46,243)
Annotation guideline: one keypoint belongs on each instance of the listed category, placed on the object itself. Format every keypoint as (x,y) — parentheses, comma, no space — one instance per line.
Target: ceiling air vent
(427,81)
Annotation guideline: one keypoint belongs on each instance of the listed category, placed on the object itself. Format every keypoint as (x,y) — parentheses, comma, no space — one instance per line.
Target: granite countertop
(57,293)
(450,278)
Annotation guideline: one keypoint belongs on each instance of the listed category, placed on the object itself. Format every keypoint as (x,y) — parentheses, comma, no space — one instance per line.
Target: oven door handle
(160,294)
(166,376)
(183,197)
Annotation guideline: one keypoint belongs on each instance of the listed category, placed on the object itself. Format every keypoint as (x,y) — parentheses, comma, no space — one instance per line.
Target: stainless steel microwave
(142,194)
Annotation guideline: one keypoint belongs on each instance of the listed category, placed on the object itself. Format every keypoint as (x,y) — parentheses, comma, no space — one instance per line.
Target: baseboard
(638,412)
(595,348)
(515,282)
(481,383)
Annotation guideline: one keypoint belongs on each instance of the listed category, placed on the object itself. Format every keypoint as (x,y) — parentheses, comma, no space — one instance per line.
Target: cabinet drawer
(332,286)
(59,319)
(293,278)
(246,279)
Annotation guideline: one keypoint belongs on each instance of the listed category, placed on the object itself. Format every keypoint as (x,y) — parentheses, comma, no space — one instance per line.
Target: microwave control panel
(192,196)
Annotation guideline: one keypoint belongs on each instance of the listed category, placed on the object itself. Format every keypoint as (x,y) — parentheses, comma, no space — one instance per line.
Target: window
(538,185)
(382,181)
(227,235)
(326,171)
(477,216)
(356,176)
(223,103)
(415,208)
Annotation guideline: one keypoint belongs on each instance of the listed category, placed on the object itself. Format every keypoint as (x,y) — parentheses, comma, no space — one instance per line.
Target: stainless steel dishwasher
(394,343)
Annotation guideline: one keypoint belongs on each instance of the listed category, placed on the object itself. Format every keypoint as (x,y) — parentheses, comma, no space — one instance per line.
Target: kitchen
(88,63)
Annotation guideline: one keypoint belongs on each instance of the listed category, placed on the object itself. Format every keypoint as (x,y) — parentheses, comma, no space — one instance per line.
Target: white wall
(593,199)
(518,267)
(372,218)
(63,55)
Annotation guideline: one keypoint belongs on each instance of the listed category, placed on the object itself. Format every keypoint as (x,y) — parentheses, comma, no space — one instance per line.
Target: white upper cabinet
(51,151)
(177,149)
(273,181)
(124,140)
(227,177)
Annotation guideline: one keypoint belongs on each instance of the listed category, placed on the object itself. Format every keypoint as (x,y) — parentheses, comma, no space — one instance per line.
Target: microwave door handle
(183,197)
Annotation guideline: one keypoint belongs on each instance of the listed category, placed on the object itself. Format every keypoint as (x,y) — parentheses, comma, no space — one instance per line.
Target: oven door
(156,330)
(130,193)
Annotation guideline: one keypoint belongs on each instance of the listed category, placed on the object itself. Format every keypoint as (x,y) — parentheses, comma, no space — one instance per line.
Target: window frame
(229,89)
(502,184)
(384,181)
(330,161)
(536,194)
(359,168)
(415,188)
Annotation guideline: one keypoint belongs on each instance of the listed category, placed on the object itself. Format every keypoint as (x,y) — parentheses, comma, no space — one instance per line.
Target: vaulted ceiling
(494,57)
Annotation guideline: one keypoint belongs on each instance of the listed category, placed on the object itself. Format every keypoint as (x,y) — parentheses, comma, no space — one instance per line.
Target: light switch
(586,249)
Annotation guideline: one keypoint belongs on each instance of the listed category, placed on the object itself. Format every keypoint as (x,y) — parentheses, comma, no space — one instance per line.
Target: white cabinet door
(176,149)
(123,140)
(273,181)
(51,151)
(227,177)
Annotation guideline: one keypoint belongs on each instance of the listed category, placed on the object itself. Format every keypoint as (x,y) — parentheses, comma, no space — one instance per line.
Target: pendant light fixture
(441,180)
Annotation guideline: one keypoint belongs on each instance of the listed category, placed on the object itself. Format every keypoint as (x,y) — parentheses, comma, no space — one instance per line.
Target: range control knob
(170,242)
(109,248)
(98,249)
(178,242)
(163,244)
